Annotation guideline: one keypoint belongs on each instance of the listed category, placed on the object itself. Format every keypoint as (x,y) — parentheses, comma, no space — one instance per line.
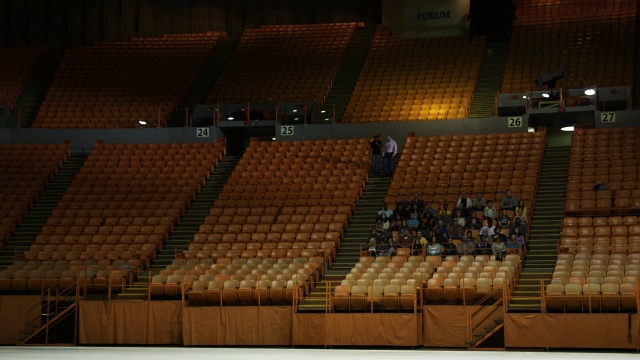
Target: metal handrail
(483,313)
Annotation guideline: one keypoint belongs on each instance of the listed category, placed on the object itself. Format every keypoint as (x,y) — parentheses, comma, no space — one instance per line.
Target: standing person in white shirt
(464,204)
(390,150)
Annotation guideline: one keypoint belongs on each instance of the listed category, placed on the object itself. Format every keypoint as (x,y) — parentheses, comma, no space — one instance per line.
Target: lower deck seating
(245,281)
(256,216)
(603,156)
(36,276)
(600,235)
(25,171)
(119,209)
(594,283)
(372,283)
(440,168)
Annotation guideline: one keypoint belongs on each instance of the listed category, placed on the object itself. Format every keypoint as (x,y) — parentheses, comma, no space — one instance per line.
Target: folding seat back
(450,290)
(391,297)
(246,291)
(628,296)
(573,297)
(51,280)
(172,285)
(197,291)
(554,297)
(230,291)
(213,292)
(591,297)
(374,299)
(156,285)
(358,295)
(610,297)
(341,297)
(483,287)
(467,292)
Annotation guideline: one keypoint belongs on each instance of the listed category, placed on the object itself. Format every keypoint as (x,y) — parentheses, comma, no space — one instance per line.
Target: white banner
(425,18)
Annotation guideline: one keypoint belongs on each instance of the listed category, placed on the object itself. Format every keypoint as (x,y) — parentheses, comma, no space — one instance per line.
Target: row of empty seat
(618,169)
(603,235)
(315,173)
(118,84)
(598,266)
(273,231)
(416,79)
(133,234)
(248,281)
(275,250)
(487,170)
(36,277)
(469,278)
(574,35)
(289,63)
(592,297)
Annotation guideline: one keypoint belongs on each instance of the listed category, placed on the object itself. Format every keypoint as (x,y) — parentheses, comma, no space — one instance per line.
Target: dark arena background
(287,178)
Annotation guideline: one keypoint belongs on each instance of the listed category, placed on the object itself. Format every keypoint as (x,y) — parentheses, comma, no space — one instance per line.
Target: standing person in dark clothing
(403,202)
(441,233)
(376,153)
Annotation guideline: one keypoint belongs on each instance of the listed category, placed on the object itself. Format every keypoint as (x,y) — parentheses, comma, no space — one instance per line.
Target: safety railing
(564,99)
(485,310)
(292,294)
(56,302)
(373,298)
(590,302)
(250,113)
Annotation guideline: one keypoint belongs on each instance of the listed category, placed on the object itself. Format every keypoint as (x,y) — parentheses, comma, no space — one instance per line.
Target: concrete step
(188,226)
(36,218)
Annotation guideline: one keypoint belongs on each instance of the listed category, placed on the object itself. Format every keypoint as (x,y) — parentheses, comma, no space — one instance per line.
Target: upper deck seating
(118,84)
(416,79)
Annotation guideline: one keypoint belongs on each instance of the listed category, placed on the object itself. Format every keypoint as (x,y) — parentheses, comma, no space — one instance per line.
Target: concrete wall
(400,130)
(425,18)
(622,118)
(84,139)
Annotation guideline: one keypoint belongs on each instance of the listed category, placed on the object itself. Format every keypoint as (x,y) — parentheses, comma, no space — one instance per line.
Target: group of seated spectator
(425,230)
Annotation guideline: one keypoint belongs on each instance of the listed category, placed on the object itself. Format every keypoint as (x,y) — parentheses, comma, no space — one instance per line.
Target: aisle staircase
(187,227)
(348,73)
(53,324)
(34,90)
(356,235)
(489,80)
(37,217)
(204,82)
(544,232)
